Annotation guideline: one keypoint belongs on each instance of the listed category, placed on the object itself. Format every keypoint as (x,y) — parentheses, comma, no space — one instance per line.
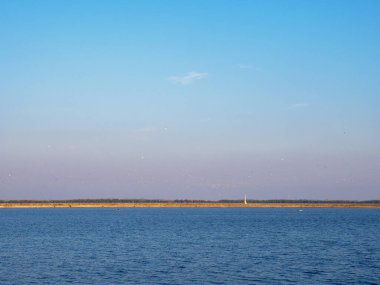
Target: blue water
(189,246)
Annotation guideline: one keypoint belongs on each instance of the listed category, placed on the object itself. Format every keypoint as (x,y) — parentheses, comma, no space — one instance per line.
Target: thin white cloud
(248,67)
(244,66)
(299,105)
(188,78)
(145,130)
(150,130)
(144,134)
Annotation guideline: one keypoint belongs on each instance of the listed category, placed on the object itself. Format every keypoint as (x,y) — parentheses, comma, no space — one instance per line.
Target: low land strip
(187,205)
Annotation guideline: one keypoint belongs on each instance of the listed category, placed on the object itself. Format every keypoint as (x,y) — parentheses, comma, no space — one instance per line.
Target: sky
(189,99)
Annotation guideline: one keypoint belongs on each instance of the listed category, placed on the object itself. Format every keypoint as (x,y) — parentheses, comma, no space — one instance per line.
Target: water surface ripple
(189,246)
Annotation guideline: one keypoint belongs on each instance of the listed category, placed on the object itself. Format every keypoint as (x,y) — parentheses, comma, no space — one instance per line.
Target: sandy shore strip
(189,205)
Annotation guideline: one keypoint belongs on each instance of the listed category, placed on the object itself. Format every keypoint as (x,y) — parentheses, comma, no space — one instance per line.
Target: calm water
(189,246)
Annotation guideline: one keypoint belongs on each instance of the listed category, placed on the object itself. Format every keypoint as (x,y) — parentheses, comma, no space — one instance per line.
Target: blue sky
(189,99)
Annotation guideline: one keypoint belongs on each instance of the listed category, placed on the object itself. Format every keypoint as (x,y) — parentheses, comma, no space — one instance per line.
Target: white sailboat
(245,199)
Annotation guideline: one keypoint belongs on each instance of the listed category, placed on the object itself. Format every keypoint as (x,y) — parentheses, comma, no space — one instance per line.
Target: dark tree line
(190,201)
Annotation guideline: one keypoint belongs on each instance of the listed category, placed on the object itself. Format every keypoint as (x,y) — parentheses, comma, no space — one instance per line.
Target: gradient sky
(190,99)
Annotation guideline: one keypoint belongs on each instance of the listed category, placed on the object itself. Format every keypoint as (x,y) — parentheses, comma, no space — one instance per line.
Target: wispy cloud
(248,67)
(299,105)
(149,130)
(188,78)
(145,130)
(244,66)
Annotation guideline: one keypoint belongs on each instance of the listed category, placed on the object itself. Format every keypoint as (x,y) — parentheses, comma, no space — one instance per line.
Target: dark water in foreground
(189,246)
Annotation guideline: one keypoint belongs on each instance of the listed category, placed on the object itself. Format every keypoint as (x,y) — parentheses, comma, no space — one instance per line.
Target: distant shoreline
(187,205)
